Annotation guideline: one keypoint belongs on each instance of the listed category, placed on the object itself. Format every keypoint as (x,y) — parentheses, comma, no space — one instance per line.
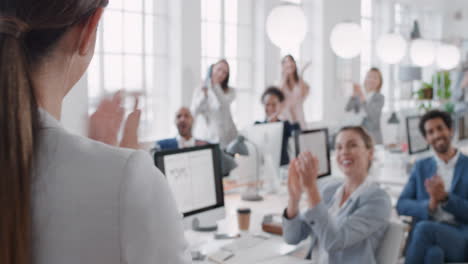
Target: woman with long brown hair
(295,91)
(213,102)
(66,198)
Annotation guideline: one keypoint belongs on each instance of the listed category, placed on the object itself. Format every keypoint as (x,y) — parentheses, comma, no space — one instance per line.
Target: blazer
(373,109)
(215,107)
(414,200)
(171,143)
(354,235)
(94,203)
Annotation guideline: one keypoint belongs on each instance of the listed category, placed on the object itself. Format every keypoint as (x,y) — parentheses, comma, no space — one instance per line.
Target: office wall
(334,12)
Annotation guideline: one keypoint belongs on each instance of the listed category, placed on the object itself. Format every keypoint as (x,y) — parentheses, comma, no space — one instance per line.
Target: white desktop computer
(267,139)
(195,178)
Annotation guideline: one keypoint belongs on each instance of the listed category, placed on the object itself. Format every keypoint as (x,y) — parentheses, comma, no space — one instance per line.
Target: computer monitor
(462,126)
(416,142)
(194,176)
(268,138)
(316,141)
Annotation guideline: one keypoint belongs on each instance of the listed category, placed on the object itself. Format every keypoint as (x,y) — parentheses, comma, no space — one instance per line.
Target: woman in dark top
(272,100)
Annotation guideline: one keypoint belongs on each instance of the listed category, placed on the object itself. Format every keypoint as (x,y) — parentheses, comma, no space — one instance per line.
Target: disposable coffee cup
(243,218)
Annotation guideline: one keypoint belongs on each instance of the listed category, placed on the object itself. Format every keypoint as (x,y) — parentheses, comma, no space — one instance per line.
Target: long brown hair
(296,75)
(29,29)
(225,82)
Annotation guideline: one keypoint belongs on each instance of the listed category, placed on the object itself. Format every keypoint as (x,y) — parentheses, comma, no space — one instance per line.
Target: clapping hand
(302,177)
(294,189)
(435,187)
(130,132)
(307,168)
(105,123)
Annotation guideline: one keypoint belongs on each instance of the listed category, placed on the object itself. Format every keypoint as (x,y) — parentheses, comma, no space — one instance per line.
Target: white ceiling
(448,6)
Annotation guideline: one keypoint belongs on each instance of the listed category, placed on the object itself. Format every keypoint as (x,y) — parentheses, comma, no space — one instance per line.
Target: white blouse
(93,203)
(293,110)
(215,108)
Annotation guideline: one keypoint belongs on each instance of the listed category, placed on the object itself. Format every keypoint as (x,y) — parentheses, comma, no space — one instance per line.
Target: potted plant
(425,92)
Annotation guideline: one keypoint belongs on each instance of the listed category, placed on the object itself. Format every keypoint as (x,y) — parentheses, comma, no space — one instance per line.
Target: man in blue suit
(436,196)
(184,123)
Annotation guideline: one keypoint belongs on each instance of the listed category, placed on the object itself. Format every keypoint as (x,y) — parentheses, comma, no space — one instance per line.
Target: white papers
(191,178)
(316,142)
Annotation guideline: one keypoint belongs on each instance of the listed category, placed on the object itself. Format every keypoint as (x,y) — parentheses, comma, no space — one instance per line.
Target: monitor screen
(463,126)
(416,142)
(316,142)
(268,138)
(194,176)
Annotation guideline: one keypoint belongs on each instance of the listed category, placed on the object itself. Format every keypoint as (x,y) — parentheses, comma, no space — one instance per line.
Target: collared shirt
(183,143)
(334,210)
(446,171)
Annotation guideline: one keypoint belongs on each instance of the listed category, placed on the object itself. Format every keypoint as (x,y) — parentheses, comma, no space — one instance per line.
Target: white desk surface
(272,203)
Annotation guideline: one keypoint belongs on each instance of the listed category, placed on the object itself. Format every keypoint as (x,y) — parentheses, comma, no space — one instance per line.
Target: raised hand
(104,124)
(294,189)
(130,132)
(307,168)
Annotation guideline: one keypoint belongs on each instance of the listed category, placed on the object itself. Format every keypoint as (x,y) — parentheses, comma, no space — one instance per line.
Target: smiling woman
(213,102)
(345,220)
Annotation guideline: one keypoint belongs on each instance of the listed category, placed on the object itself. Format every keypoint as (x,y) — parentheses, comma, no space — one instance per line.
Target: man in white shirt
(184,139)
(436,196)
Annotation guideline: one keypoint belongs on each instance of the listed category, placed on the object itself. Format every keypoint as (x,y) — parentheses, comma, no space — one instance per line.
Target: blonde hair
(376,70)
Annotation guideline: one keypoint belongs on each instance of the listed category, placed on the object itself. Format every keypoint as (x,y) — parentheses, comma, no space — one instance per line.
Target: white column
(334,12)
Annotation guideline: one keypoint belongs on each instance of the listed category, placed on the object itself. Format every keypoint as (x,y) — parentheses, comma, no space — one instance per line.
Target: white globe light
(422,52)
(391,48)
(286,26)
(347,40)
(448,56)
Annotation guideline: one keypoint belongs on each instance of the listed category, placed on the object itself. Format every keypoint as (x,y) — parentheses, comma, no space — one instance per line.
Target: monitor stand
(203,227)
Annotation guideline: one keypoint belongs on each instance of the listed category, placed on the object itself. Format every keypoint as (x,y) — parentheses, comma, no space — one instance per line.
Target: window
(367,27)
(311,51)
(227,33)
(132,55)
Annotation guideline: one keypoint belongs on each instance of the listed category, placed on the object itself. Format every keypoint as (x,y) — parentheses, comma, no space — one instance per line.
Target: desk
(272,203)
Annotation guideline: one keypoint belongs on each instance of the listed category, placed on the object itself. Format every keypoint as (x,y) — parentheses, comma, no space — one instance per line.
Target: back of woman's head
(29,30)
